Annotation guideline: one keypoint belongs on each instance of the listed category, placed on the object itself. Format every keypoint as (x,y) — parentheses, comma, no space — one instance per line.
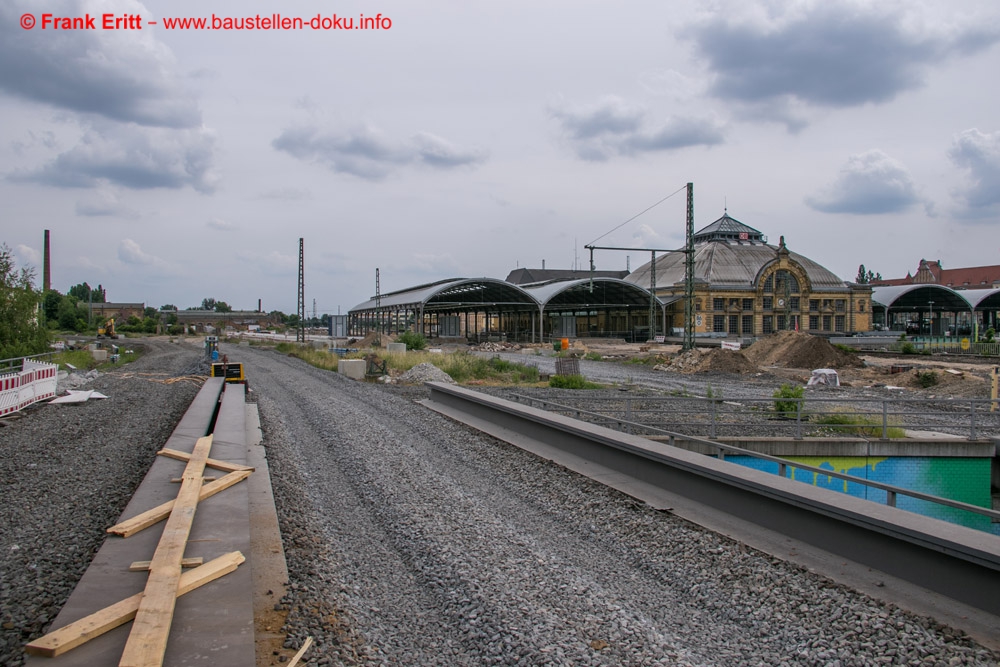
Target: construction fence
(36,381)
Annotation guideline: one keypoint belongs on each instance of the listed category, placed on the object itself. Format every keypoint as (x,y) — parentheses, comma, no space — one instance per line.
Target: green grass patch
(572,382)
(786,400)
(860,425)
(84,360)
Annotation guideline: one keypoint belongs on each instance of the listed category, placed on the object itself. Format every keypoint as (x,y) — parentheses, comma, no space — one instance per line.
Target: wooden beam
(89,627)
(178,480)
(211,463)
(143,565)
(130,527)
(147,641)
(302,651)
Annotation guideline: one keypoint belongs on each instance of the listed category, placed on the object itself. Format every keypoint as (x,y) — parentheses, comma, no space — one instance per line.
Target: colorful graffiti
(963,479)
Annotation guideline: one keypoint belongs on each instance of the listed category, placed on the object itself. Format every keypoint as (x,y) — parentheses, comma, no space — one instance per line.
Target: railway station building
(745,287)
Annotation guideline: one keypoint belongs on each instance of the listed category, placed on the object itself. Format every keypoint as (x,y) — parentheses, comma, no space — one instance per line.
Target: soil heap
(793,349)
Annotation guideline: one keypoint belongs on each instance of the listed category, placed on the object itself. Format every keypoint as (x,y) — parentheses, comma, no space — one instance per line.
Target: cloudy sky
(468,138)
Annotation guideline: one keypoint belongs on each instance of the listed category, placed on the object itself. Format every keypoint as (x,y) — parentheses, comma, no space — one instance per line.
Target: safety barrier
(36,381)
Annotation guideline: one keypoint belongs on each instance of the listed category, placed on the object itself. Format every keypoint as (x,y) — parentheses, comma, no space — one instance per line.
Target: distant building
(119,311)
(529,276)
(930,272)
(745,287)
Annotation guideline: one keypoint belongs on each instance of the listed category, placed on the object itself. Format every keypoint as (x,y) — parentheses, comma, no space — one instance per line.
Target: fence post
(798,418)
(885,420)
(712,429)
(628,414)
(972,420)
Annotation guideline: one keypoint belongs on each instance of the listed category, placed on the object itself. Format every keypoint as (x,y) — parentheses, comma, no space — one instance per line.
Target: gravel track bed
(66,474)
(414,540)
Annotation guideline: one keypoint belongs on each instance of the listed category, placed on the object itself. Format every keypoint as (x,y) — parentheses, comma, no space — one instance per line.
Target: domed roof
(731,255)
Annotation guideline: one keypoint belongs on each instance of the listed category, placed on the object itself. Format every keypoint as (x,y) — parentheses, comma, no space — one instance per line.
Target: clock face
(781,302)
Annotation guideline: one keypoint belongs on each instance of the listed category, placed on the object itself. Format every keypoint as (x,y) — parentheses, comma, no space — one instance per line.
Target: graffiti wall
(963,479)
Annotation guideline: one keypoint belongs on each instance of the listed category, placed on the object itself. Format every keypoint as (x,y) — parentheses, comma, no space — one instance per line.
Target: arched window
(777,282)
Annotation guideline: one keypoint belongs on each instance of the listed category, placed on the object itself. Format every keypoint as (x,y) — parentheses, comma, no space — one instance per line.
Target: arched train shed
(487,308)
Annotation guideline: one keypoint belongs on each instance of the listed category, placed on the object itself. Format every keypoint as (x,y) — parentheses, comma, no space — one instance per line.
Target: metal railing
(920,344)
(625,425)
(822,417)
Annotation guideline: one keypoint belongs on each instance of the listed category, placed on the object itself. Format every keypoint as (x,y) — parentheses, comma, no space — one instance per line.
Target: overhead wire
(646,210)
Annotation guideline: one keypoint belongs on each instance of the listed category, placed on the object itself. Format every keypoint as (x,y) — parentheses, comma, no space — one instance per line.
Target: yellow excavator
(108,330)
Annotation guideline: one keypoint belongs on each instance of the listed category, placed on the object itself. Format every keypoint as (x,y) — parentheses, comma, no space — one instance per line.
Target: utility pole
(300,333)
(689,273)
(378,311)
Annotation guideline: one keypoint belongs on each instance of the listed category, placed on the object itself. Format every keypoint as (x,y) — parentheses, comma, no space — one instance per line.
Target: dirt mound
(717,360)
(792,349)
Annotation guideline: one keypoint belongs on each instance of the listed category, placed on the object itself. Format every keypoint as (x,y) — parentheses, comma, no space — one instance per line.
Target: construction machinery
(108,330)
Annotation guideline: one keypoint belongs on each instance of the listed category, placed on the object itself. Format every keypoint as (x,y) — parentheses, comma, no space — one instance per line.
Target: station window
(748,325)
(813,305)
(719,323)
(794,303)
(718,304)
(768,324)
(813,322)
(841,305)
(781,323)
(747,304)
(768,302)
(826,323)
(839,323)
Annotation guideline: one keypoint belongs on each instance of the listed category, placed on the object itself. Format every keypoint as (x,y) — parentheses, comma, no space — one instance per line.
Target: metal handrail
(891,491)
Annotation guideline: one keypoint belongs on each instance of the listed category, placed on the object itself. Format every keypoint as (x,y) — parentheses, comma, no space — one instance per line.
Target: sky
(465,138)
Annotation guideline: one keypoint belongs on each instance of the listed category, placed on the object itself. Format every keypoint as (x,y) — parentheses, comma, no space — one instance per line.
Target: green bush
(413,340)
(908,348)
(571,382)
(593,356)
(859,425)
(785,403)
(927,378)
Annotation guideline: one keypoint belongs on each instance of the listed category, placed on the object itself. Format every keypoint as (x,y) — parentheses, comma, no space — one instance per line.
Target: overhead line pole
(688,273)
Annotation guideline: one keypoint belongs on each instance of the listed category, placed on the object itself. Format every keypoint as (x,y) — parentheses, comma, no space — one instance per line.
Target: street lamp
(930,321)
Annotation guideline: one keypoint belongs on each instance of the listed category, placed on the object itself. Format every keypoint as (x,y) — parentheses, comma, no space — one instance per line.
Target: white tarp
(73,396)
(824,377)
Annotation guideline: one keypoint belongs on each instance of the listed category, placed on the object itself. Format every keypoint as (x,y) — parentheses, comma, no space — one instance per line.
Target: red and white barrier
(35,382)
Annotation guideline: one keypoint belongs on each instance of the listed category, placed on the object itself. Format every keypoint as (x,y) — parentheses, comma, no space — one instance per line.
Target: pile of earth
(793,349)
(425,372)
(716,360)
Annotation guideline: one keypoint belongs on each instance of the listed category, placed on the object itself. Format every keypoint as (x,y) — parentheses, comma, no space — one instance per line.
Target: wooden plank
(143,565)
(211,463)
(147,641)
(130,527)
(178,480)
(302,651)
(82,631)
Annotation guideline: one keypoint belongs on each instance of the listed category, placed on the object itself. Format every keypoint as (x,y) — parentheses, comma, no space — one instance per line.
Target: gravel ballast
(414,540)
(66,474)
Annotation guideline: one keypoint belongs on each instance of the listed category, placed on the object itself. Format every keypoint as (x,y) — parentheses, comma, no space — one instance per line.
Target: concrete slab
(352,368)
(213,624)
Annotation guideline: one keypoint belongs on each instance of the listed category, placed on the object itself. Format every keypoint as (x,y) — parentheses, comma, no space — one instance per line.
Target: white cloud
(870,183)
(366,152)
(220,225)
(978,154)
(612,126)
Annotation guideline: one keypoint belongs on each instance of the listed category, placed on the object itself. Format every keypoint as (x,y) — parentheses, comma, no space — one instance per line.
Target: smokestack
(46,273)
(260,304)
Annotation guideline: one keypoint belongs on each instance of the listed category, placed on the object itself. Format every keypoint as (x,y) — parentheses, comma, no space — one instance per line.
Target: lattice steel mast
(300,332)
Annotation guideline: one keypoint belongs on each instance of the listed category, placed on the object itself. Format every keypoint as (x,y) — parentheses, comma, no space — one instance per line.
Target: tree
(149,313)
(866,276)
(223,307)
(87,294)
(21,334)
(208,304)
(50,304)
(168,306)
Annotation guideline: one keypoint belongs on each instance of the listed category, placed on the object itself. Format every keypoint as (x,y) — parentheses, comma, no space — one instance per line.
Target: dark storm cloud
(131,157)
(119,75)
(978,154)
(871,183)
(367,153)
(612,127)
(837,55)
